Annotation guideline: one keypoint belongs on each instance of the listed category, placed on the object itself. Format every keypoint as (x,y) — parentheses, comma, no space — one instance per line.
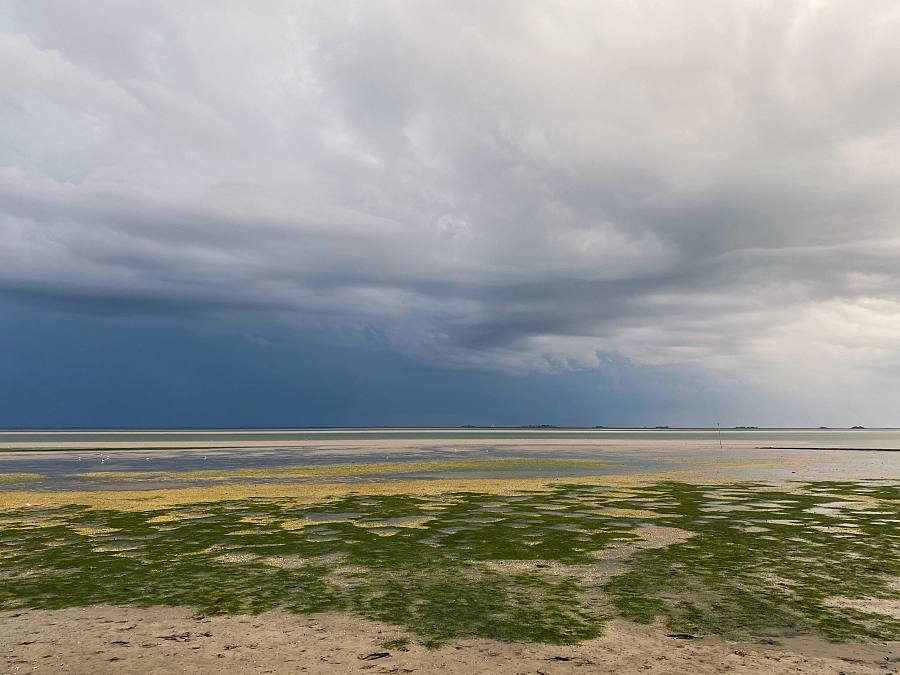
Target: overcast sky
(595,213)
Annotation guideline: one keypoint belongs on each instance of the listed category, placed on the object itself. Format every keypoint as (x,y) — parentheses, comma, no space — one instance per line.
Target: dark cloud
(505,186)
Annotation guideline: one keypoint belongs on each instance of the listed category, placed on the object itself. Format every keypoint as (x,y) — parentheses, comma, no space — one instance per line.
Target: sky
(438,213)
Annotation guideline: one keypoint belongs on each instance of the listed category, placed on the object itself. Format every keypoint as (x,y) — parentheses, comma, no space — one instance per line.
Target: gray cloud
(505,185)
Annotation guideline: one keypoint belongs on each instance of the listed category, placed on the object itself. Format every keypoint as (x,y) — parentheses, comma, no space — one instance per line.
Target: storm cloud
(503,186)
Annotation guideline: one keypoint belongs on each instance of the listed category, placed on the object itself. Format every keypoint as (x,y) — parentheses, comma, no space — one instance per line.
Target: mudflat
(514,557)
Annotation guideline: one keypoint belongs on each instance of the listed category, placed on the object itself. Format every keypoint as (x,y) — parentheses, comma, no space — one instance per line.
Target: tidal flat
(551,564)
(446,551)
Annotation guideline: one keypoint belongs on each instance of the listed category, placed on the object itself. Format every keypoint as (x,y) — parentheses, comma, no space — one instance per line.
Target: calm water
(857,438)
(624,451)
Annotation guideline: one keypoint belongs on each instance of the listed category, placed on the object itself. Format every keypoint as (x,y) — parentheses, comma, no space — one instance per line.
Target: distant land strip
(798,447)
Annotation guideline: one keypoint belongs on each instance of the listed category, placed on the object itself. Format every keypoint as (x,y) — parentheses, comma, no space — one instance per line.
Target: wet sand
(164,640)
(693,460)
(103,639)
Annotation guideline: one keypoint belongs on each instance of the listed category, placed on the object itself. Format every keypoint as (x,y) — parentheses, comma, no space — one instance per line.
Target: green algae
(755,559)
(14,478)
(400,644)
(774,577)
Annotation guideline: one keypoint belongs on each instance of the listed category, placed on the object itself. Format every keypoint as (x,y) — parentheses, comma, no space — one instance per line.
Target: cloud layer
(506,186)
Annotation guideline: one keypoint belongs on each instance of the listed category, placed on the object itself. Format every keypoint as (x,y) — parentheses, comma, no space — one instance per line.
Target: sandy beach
(156,640)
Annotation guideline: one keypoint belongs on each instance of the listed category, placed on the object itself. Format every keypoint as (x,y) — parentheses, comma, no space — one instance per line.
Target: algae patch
(549,562)
(16,478)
